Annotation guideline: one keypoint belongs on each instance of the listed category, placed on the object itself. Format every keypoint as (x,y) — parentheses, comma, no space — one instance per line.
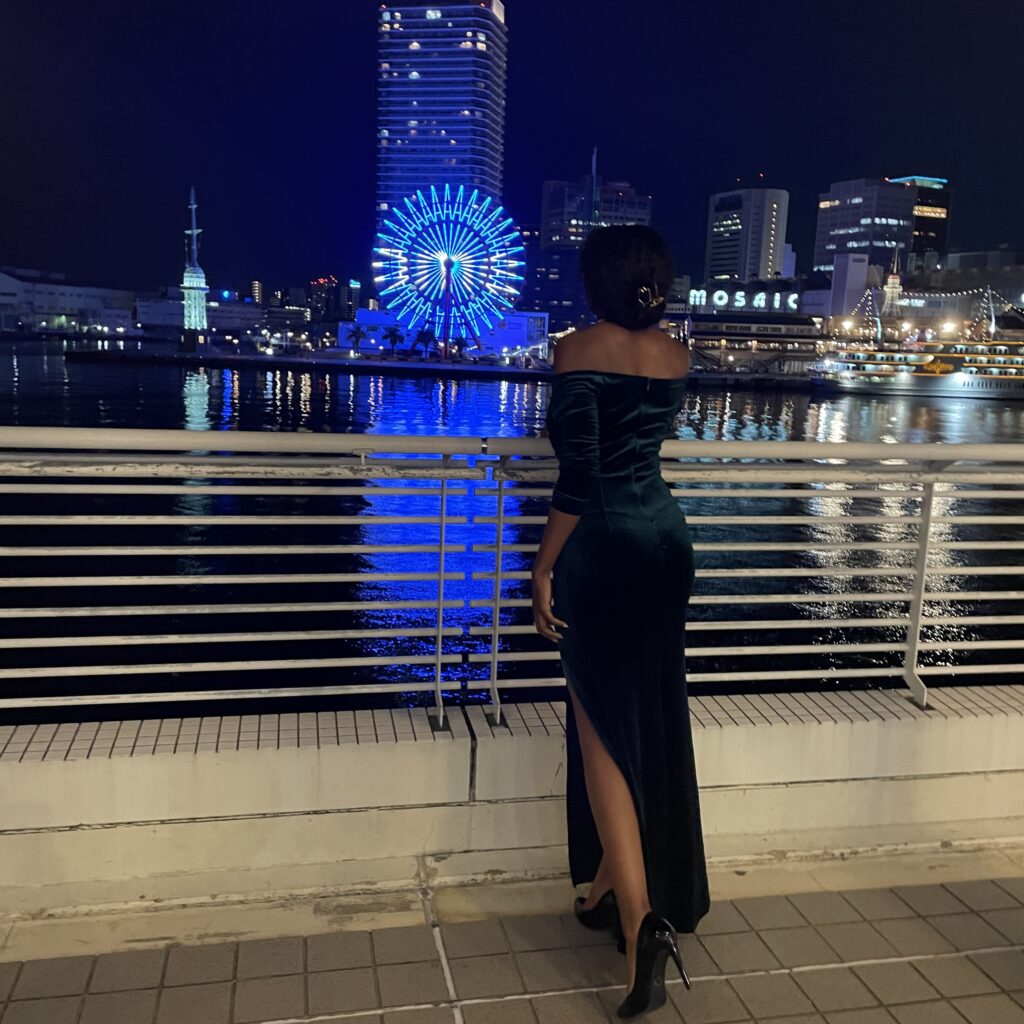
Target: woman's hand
(543,618)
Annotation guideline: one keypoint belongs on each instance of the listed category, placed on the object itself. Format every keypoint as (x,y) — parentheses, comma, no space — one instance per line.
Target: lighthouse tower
(193,286)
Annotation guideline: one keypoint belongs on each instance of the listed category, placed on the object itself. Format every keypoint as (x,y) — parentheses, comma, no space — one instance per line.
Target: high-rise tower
(193,286)
(441,97)
(746,236)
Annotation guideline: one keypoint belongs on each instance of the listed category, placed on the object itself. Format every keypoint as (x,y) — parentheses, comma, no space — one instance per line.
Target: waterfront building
(256,291)
(992,259)
(441,97)
(193,285)
(324,297)
(282,317)
(33,300)
(933,198)
(751,342)
(350,299)
(866,215)
(746,235)
(788,262)
(850,278)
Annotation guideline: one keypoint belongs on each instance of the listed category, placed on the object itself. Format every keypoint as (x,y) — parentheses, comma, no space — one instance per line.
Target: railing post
(924,535)
(496,599)
(439,634)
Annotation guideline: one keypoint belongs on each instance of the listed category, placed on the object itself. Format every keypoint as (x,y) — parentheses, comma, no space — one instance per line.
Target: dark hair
(627,273)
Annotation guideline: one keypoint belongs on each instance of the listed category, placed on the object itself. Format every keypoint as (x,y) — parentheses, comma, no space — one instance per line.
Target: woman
(611,583)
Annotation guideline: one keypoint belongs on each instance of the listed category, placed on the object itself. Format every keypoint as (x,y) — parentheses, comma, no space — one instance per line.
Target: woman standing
(611,583)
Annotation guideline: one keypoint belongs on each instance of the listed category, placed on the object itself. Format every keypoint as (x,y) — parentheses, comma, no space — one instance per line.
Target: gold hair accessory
(648,298)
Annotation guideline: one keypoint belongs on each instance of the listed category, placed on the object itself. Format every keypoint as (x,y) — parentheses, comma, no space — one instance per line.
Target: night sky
(110,110)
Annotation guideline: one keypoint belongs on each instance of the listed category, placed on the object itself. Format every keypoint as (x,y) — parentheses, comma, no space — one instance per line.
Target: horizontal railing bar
(969,670)
(157,668)
(174,696)
(259,608)
(770,573)
(160,639)
(748,599)
(258,490)
(702,626)
(14,582)
(752,675)
(197,551)
(710,652)
(253,520)
(972,620)
(762,520)
(972,645)
(767,546)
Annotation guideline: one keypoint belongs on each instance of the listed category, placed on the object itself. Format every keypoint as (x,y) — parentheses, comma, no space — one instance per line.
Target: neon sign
(722,299)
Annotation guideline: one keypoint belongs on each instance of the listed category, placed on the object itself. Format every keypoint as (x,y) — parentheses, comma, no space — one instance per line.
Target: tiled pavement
(927,954)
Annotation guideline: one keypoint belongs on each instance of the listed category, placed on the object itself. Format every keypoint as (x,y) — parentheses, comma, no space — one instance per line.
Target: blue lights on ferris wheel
(449,262)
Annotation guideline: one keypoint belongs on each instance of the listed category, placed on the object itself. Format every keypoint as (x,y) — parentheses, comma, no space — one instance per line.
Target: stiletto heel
(604,914)
(655,943)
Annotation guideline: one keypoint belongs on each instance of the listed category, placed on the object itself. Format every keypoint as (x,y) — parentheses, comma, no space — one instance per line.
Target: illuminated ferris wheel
(449,263)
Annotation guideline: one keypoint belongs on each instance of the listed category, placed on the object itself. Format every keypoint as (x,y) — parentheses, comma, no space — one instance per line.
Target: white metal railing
(333,564)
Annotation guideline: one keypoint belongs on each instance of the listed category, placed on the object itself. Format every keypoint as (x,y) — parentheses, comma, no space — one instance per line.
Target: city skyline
(100,150)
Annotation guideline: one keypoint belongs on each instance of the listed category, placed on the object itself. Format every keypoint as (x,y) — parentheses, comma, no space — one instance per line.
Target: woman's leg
(601,884)
(614,812)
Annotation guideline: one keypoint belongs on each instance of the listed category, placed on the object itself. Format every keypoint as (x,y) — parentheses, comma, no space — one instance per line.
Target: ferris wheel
(449,262)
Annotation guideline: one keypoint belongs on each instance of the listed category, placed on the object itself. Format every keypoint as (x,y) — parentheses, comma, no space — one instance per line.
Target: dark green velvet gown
(622,582)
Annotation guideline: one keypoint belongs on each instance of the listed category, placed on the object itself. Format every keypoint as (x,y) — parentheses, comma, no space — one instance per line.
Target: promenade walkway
(932,953)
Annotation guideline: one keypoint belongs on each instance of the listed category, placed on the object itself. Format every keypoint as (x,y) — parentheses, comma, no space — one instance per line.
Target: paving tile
(1009,922)
(1004,967)
(856,941)
(196,965)
(1014,886)
(771,995)
(739,951)
(265,958)
(708,1002)
(999,1009)
(8,972)
(194,1004)
(956,976)
(580,936)
(425,1015)
(137,1006)
(875,1015)
(930,899)
(799,947)
(537,931)
(62,976)
(769,912)
(474,938)
(341,991)
(480,976)
(338,951)
(722,917)
(913,936)
(603,965)
(825,907)
(140,968)
(269,998)
(506,1011)
(878,904)
(895,983)
(612,997)
(405,984)
(982,895)
(802,1018)
(927,1013)
(44,1011)
(967,931)
(1018,996)
(404,945)
(545,969)
(836,988)
(574,1008)
(696,959)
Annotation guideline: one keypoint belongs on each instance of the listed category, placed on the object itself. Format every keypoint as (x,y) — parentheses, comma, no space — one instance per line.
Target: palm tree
(355,335)
(394,337)
(459,345)
(424,338)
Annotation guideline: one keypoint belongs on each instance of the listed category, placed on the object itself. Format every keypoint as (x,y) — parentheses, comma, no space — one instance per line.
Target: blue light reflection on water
(37,387)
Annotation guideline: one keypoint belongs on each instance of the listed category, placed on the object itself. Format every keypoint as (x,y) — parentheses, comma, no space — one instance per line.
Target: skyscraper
(933,198)
(441,97)
(746,234)
(865,215)
(193,286)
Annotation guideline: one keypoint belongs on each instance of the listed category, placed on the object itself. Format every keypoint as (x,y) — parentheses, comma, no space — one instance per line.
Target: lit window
(433,14)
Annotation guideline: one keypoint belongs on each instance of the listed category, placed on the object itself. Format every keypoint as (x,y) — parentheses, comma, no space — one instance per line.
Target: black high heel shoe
(655,943)
(602,916)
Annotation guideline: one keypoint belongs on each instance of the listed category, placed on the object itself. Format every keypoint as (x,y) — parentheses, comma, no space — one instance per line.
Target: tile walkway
(924,954)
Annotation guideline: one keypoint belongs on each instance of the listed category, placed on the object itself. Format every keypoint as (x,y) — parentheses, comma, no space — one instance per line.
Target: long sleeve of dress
(573,427)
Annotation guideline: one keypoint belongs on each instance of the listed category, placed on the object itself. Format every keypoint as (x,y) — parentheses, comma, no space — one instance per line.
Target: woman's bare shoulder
(578,350)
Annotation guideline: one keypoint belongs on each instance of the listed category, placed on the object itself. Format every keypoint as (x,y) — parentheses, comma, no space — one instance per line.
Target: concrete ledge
(391,806)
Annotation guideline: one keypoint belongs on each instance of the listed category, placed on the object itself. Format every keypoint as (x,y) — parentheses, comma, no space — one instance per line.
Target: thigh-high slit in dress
(622,583)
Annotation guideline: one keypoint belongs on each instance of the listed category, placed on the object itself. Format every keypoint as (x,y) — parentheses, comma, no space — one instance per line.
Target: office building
(324,298)
(256,292)
(350,299)
(746,235)
(871,216)
(441,97)
(933,198)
